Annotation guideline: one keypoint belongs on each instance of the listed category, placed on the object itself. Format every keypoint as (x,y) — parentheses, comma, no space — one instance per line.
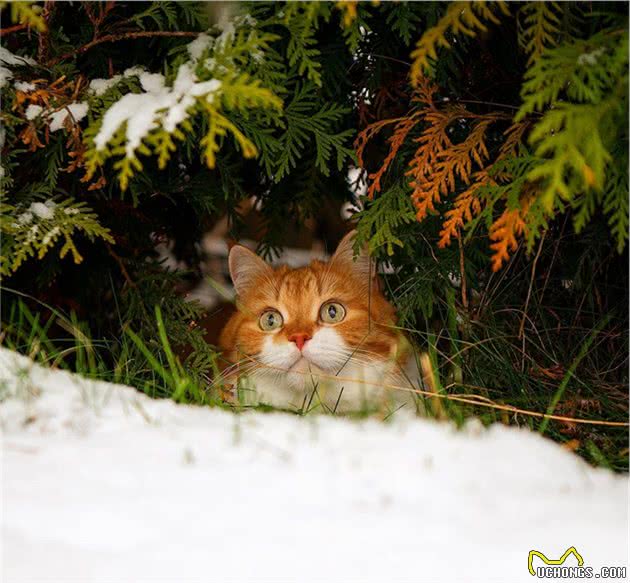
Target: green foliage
(581,89)
(615,205)
(52,337)
(300,19)
(539,27)
(554,157)
(169,15)
(28,13)
(181,386)
(35,230)
(584,71)
(305,124)
(404,22)
(384,217)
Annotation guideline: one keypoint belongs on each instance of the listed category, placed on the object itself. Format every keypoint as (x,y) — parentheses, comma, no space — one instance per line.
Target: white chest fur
(378,386)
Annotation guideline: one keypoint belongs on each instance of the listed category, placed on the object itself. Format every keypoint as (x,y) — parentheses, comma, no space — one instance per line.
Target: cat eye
(332,313)
(270,320)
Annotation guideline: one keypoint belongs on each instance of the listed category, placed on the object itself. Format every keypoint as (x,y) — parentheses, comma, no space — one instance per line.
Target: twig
(14,28)
(43,42)
(121,264)
(521,329)
(462,272)
(109,38)
(488,293)
(480,102)
(553,257)
(392,59)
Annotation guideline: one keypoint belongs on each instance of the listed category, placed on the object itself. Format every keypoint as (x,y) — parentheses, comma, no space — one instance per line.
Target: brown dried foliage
(439,167)
(52,97)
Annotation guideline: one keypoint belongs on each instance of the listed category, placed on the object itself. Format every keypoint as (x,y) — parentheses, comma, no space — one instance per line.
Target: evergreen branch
(378,223)
(35,230)
(462,17)
(538,27)
(305,124)
(586,70)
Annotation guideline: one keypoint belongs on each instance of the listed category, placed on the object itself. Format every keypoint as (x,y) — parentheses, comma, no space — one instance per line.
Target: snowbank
(101,483)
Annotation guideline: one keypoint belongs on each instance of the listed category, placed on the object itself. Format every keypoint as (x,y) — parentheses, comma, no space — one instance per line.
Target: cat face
(315,318)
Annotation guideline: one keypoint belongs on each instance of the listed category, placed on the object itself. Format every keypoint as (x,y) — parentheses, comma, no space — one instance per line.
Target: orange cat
(319,335)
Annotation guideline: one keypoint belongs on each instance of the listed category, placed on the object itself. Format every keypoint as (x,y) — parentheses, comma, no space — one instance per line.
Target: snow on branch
(219,76)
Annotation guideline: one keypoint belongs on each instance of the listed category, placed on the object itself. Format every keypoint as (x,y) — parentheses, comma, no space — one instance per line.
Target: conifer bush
(491,140)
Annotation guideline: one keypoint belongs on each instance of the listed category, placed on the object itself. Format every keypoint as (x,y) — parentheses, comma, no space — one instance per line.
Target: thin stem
(521,331)
(109,38)
(14,28)
(480,102)
(462,270)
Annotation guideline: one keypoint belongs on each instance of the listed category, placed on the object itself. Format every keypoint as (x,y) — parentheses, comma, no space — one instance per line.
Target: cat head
(317,317)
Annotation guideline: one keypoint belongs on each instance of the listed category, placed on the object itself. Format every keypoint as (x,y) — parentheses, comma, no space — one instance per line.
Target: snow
(135,71)
(229,26)
(100,86)
(5,75)
(57,119)
(8,58)
(33,111)
(24,86)
(48,237)
(158,106)
(226,36)
(197,47)
(43,210)
(591,58)
(32,234)
(76,110)
(101,483)
(152,82)
(245,20)
(25,218)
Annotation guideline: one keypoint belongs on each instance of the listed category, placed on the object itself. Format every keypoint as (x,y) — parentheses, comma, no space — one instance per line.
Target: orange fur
(298,294)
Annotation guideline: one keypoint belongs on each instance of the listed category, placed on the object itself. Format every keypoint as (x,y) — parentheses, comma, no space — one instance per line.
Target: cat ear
(245,268)
(361,266)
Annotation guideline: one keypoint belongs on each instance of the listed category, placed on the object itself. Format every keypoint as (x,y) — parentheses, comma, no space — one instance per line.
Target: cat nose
(300,339)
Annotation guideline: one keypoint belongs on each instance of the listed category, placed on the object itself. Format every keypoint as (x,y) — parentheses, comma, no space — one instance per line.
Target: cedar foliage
(492,137)
(569,126)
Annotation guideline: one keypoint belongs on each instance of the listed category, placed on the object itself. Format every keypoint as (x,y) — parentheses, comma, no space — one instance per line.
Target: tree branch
(13,28)
(109,38)
(43,43)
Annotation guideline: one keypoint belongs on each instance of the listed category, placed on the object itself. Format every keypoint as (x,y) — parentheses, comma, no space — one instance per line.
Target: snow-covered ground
(100,483)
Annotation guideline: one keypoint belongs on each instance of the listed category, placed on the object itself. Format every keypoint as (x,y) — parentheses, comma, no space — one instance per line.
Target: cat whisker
(242,366)
(364,351)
